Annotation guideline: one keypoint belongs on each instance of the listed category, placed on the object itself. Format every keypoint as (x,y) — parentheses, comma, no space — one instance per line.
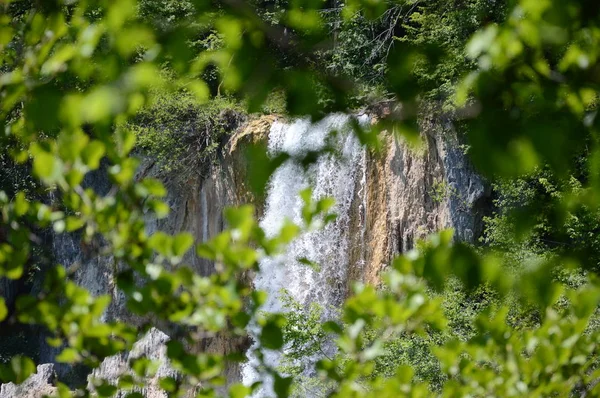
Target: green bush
(183,135)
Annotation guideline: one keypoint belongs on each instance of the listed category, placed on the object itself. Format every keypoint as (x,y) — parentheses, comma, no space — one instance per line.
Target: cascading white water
(337,176)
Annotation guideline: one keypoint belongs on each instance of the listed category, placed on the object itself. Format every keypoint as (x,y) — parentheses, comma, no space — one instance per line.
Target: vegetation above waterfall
(88,85)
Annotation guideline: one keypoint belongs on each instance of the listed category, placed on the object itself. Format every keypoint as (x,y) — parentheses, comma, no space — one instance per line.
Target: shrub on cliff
(183,135)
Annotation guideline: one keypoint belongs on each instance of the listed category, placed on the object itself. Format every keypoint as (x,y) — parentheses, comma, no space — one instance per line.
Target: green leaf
(271,336)
(18,370)
(324,204)
(239,390)
(200,90)
(316,267)
(46,166)
(282,386)
(63,391)
(332,327)
(92,153)
(306,195)
(182,243)
(168,384)
(21,204)
(106,390)
(73,223)
(205,251)
(154,187)
(126,382)
(405,373)
(162,243)
(68,355)
(3,309)
(144,366)
(241,219)
(481,41)
(100,103)
(263,166)
(161,209)
(288,232)
(259,297)
(15,269)
(135,394)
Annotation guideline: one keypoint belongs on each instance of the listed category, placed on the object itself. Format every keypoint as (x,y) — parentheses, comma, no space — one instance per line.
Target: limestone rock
(37,385)
(151,346)
(410,194)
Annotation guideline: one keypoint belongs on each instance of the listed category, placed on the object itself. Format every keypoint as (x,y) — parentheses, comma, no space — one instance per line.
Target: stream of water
(338,175)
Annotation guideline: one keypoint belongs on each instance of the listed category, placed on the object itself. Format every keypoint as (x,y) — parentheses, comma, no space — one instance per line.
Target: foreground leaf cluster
(74,76)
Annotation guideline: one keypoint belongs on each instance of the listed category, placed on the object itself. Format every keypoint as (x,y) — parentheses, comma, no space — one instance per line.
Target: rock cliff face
(411,193)
(404,196)
(196,206)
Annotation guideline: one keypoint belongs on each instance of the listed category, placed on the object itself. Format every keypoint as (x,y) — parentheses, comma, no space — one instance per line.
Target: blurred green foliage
(553,230)
(81,81)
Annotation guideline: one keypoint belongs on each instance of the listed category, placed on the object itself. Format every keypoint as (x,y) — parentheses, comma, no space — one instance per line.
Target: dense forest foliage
(90,86)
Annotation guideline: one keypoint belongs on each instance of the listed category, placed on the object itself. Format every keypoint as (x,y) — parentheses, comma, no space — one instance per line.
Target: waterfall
(338,175)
